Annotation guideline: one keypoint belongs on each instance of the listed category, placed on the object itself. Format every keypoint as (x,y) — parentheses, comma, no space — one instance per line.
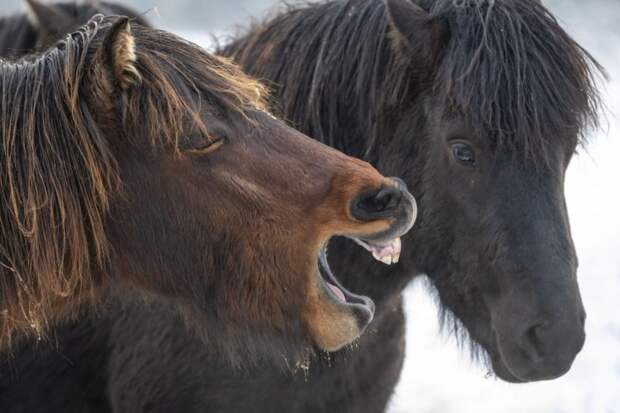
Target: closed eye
(207,148)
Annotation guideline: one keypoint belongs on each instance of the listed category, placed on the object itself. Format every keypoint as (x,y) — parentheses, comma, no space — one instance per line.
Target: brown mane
(57,169)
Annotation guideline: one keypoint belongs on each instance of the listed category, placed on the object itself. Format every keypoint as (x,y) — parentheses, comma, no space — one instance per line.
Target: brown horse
(132,158)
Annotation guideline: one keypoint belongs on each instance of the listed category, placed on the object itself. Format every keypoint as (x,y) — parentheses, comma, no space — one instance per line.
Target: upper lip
(386,246)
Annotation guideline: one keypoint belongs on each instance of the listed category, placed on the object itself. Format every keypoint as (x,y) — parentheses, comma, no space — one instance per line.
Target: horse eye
(203,146)
(464,153)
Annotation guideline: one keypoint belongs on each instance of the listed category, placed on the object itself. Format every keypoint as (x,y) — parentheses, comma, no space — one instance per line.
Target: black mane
(514,54)
(501,54)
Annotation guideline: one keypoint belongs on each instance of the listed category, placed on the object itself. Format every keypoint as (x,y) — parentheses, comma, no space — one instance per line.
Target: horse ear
(115,60)
(416,31)
(46,18)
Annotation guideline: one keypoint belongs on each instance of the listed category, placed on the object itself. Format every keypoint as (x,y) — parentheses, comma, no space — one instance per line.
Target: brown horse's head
(133,158)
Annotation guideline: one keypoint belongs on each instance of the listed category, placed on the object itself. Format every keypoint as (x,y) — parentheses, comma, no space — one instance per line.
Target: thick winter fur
(59,170)
(134,356)
(397,86)
(53,238)
(397,83)
(505,55)
(111,176)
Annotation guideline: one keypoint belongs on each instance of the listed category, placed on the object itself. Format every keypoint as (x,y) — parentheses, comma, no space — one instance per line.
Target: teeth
(387,252)
(387,259)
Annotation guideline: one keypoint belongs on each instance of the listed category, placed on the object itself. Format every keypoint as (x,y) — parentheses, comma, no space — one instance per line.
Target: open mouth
(387,252)
(363,307)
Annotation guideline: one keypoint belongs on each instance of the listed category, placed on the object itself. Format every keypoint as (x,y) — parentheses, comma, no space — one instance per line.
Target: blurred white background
(438,377)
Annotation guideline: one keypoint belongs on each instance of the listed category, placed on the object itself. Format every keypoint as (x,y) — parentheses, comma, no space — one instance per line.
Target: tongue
(338,292)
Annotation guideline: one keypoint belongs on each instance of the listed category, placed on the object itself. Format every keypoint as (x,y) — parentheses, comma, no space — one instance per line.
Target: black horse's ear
(114,64)
(47,18)
(414,30)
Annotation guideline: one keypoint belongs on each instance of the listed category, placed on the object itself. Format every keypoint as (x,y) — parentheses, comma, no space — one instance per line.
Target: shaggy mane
(58,171)
(513,54)
(501,54)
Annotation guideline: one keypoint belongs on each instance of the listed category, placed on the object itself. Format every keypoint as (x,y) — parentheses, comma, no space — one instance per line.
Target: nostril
(387,198)
(377,204)
(534,341)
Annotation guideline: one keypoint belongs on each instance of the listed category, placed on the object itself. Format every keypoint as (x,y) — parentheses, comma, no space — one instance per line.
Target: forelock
(516,74)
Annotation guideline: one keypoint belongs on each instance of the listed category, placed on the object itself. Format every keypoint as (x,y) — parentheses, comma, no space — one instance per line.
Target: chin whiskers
(451,327)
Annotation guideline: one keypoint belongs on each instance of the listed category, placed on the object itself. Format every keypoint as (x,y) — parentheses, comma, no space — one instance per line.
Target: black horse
(480,105)
(44,24)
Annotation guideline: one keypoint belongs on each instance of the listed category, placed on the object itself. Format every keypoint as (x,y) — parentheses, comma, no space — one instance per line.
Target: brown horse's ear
(114,63)
(46,18)
(414,30)
(112,72)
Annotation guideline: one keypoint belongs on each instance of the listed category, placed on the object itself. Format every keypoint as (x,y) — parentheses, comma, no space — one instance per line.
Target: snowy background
(438,377)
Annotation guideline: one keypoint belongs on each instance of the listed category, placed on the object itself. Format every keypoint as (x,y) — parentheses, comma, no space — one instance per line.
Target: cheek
(248,171)
(162,222)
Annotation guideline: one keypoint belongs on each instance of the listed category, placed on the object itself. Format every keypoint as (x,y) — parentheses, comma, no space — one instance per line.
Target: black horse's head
(503,98)
(52,21)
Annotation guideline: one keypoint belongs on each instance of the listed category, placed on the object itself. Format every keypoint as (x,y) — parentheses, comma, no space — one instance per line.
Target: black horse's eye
(464,153)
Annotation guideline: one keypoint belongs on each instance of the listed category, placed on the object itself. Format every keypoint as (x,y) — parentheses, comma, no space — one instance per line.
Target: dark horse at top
(43,24)
(480,106)
(134,160)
